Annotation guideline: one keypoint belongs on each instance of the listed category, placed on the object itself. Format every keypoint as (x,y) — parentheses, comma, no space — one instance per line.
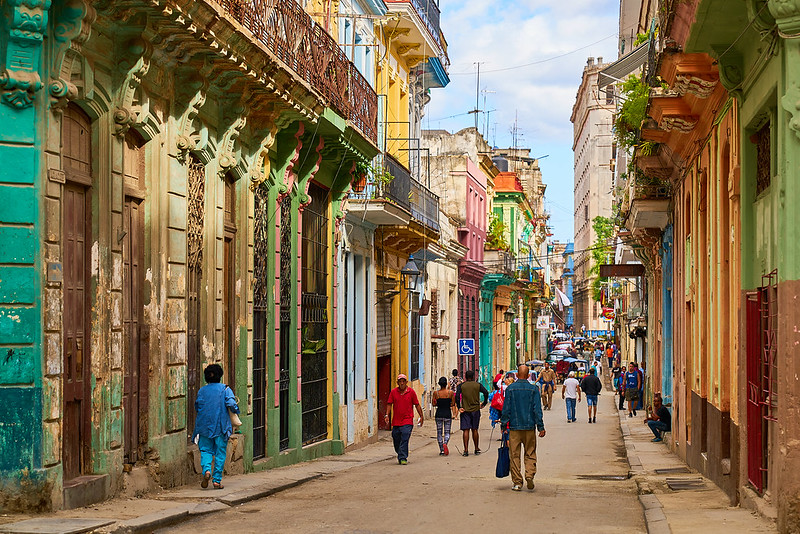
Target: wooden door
(77,401)
(135,364)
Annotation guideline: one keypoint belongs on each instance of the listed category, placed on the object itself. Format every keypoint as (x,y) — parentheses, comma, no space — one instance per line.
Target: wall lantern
(508,315)
(410,274)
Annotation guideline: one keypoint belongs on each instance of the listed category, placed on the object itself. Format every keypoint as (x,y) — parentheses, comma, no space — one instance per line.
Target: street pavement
(591,477)
(582,476)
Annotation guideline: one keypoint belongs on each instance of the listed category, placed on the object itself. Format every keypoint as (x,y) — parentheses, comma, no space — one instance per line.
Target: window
(763,158)
(586,213)
(415,345)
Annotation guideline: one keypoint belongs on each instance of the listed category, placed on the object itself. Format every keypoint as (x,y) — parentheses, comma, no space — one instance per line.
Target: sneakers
(634,413)
(465,453)
(594,419)
(630,415)
(403,462)
(656,440)
(516,487)
(441,453)
(477,452)
(531,485)
(206,478)
(590,420)
(446,450)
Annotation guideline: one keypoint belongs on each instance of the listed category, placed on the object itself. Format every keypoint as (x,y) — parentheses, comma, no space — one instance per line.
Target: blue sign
(466,347)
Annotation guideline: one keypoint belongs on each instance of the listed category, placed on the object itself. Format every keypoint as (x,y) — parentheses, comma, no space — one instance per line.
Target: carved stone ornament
(787,15)
(26,23)
(683,124)
(694,85)
(791,103)
(228,157)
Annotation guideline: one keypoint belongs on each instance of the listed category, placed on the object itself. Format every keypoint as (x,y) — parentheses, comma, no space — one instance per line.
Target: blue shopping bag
(503,459)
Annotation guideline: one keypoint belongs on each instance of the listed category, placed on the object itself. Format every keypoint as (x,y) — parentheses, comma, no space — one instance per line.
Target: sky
(502,34)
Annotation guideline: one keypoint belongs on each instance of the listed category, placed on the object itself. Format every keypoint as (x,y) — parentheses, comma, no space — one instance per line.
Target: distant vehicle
(557,355)
(564,345)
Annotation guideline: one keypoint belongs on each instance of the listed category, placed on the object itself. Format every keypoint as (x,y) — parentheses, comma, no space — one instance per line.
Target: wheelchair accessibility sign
(466,347)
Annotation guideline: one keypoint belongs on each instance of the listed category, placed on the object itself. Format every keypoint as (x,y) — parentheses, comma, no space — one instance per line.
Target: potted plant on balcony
(360,181)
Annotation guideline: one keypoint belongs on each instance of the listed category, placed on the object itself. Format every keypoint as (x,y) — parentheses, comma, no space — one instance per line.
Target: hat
(402,377)
(572,373)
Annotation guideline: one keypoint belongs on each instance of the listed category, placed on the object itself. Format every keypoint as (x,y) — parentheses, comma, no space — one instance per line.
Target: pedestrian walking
(212,428)
(522,414)
(659,419)
(401,403)
(591,386)
(610,355)
(445,402)
(571,392)
(632,383)
(455,381)
(468,399)
(548,382)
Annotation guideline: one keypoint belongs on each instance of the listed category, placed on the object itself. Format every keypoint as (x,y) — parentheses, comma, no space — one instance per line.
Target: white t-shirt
(571,385)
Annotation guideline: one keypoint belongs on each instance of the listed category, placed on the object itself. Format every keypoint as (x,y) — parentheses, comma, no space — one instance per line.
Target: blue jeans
(657,427)
(213,449)
(570,409)
(400,435)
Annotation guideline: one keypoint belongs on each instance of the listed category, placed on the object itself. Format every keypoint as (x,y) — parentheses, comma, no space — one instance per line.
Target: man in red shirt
(401,404)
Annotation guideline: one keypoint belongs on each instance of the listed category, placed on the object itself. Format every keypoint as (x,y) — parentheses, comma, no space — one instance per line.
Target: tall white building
(592,119)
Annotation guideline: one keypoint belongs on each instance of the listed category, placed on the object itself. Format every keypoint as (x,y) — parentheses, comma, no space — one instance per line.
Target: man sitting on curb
(659,420)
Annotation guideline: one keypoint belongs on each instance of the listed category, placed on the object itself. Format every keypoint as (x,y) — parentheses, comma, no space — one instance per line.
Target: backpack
(497,401)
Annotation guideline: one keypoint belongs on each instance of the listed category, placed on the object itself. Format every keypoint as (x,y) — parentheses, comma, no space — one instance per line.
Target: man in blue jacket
(522,415)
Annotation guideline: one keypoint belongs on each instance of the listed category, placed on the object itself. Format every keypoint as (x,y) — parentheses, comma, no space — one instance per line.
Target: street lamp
(508,315)
(410,273)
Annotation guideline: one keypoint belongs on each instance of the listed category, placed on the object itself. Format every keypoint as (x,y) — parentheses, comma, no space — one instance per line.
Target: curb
(654,518)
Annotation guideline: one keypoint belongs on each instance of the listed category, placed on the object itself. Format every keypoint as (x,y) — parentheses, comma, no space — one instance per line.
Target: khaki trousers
(526,439)
(547,397)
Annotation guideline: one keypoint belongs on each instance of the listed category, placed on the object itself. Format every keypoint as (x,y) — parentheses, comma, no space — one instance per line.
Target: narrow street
(461,494)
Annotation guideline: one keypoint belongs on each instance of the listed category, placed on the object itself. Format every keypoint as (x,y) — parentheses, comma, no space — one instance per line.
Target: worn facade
(168,182)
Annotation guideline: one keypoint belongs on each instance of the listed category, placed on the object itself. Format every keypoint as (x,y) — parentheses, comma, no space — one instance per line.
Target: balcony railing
(499,261)
(428,11)
(404,191)
(306,48)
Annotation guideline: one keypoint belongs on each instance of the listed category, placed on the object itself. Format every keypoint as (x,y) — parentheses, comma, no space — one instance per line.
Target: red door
(755,421)
(76,347)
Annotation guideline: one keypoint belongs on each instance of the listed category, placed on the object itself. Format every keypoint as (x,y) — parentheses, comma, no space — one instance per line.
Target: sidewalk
(179,504)
(676,498)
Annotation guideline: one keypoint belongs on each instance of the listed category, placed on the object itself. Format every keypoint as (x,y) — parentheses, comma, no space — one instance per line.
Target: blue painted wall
(666,299)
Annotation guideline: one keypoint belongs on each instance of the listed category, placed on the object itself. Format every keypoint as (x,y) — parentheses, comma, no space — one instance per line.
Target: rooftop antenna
(485,92)
(477,94)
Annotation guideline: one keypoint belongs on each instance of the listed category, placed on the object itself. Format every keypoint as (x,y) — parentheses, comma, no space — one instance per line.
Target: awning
(625,65)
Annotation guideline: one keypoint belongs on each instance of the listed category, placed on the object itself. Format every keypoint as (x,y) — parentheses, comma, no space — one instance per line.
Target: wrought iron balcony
(428,11)
(307,49)
(499,261)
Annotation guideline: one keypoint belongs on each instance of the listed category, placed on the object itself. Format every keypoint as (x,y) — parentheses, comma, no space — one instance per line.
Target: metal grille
(306,48)
(196,175)
(769,344)
(286,320)
(434,313)
(196,200)
(763,158)
(314,381)
(260,307)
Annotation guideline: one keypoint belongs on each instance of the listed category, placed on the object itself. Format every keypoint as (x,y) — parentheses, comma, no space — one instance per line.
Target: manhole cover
(676,484)
(603,477)
(670,470)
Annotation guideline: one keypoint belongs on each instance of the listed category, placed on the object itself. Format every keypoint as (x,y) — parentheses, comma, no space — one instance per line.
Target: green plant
(496,236)
(635,94)
(376,174)
(641,39)
(604,231)
(311,346)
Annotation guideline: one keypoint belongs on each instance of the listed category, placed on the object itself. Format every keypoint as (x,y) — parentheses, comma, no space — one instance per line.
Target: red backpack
(497,400)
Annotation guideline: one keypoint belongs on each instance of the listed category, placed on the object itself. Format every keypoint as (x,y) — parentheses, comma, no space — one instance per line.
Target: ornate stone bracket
(308,171)
(258,164)
(128,111)
(73,28)
(26,23)
(791,103)
(187,139)
(228,158)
